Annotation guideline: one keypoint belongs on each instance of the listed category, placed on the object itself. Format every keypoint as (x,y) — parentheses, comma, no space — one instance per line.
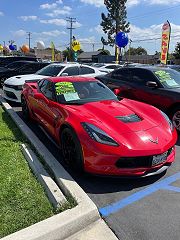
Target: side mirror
(116,91)
(151,84)
(64,74)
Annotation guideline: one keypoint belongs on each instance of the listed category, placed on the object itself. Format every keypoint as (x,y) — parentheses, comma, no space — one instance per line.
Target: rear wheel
(25,108)
(71,150)
(175,117)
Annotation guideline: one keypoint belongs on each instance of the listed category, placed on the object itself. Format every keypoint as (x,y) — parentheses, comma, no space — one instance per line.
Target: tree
(177,51)
(115,20)
(136,51)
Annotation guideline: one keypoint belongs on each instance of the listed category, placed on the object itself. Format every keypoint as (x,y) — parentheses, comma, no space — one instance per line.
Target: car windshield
(50,70)
(82,92)
(169,78)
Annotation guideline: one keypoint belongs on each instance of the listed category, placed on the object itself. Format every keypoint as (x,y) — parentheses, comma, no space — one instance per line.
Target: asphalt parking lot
(147,208)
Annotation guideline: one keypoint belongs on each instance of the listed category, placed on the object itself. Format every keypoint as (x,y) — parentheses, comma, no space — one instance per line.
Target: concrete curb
(69,222)
(53,192)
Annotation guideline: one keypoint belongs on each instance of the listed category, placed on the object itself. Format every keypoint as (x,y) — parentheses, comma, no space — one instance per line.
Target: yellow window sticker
(163,76)
(64,87)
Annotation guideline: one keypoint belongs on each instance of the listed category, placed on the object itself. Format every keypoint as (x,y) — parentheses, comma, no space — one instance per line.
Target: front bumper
(12,94)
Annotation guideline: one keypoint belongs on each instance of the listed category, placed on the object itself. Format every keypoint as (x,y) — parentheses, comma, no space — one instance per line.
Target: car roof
(72,79)
(147,67)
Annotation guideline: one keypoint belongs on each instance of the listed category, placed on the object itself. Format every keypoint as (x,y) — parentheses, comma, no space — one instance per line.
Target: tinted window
(121,74)
(15,65)
(47,89)
(142,76)
(85,70)
(169,78)
(50,70)
(71,71)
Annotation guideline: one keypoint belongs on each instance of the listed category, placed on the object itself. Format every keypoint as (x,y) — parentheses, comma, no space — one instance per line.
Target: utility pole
(93,46)
(29,39)
(71,21)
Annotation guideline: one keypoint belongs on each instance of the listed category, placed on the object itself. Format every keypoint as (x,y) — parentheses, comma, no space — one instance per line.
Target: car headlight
(168,120)
(19,87)
(98,135)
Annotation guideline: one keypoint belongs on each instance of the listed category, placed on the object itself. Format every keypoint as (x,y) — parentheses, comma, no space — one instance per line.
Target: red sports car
(97,132)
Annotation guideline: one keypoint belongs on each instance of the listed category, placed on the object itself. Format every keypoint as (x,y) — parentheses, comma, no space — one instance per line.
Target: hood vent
(129,118)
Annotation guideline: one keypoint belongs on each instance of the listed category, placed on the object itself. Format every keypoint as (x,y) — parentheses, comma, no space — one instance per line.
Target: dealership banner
(166,32)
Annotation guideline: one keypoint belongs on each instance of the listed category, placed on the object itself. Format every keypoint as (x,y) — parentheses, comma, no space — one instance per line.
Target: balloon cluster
(121,39)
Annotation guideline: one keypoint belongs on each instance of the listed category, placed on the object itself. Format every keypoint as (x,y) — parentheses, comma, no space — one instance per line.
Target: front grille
(129,118)
(8,86)
(136,162)
(10,94)
(15,87)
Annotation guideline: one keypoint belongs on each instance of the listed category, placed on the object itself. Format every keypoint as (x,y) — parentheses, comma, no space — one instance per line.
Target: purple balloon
(11,47)
(121,39)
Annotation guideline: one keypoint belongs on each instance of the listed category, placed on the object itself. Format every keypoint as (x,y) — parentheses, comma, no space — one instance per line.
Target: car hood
(115,115)
(20,79)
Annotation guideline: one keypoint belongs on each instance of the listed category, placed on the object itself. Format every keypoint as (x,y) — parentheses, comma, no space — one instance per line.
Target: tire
(25,109)
(71,150)
(175,117)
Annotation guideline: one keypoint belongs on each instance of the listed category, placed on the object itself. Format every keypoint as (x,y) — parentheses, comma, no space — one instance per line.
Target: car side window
(71,71)
(142,76)
(85,70)
(47,89)
(121,74)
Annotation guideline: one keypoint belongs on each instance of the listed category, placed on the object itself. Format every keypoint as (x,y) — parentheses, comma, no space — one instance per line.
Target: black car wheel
(175,118)
(71,150)
(25,108)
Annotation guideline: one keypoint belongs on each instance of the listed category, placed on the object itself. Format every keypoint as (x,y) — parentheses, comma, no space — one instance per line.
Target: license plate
(157,159)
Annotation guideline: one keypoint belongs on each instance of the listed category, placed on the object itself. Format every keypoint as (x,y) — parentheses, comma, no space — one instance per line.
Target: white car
(13,86)
(106,67)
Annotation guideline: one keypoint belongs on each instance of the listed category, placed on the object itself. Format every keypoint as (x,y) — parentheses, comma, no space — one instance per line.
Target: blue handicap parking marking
(163,184)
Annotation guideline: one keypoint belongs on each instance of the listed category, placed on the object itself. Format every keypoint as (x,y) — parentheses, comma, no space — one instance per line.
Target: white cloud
(1,14)
(63,11)
(55,21)
(97,3)
(51,6)
(54,33)
(26,18)
(48,6)
(20,33)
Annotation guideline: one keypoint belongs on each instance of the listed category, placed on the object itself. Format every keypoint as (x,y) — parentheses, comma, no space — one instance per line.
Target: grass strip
(22,199)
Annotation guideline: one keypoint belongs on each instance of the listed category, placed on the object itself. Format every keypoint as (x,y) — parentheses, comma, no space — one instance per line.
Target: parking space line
(114,207)
(172,188)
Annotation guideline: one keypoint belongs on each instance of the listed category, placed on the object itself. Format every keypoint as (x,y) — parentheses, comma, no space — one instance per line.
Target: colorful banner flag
(53,52)
(166,32)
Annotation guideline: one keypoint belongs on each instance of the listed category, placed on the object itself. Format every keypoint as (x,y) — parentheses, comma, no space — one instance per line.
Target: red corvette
(97,132)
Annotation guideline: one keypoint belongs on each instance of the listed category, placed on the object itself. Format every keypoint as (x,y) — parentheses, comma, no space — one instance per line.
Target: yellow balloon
(1,47)
(76,46)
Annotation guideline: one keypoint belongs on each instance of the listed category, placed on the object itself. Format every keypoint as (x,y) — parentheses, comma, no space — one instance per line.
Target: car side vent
(129,118)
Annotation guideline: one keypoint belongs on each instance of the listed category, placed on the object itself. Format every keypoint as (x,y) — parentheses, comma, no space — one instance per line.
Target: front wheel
(175,118)
(71,150)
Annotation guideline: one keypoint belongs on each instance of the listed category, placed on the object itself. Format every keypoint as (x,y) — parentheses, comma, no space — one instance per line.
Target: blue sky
(46,20)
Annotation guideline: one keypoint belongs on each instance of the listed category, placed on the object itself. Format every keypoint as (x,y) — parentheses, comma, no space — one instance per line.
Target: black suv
(20,68)
(9,59)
